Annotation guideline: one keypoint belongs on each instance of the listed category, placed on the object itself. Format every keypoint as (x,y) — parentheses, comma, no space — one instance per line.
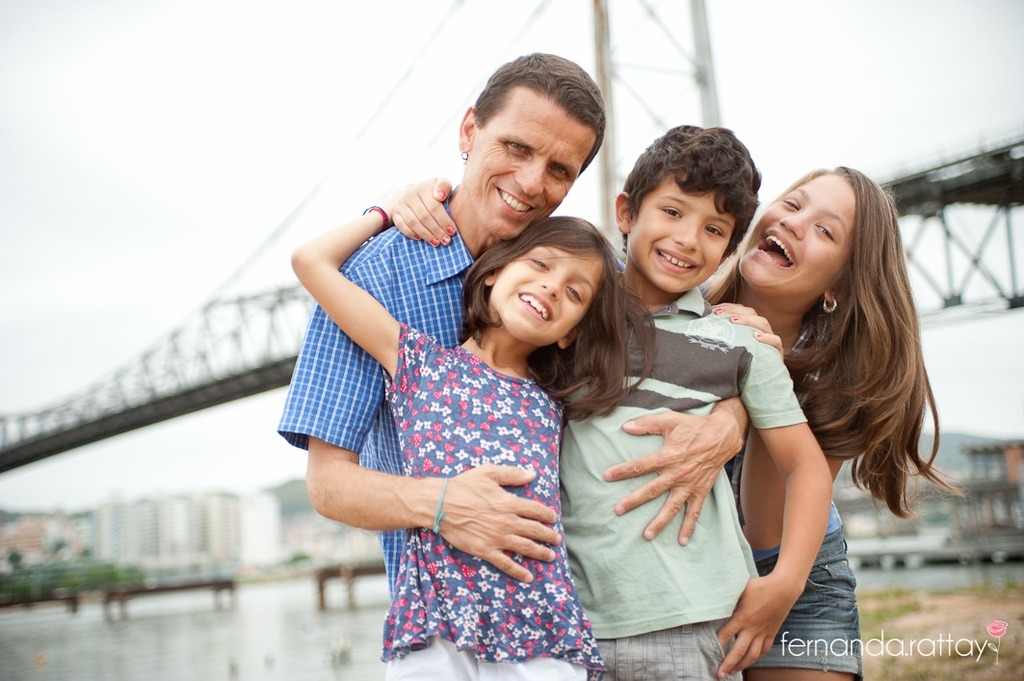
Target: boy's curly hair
(701,161)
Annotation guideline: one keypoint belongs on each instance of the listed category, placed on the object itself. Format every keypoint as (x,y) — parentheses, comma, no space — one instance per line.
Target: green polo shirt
(629,585)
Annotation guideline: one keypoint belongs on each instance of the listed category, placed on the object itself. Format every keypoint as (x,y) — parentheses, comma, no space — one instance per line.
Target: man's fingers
(693,508)
(486,520)
(641,495)
(535,549)
(631,469)
(669,510)
(506,476)
(502,561)
(657,424)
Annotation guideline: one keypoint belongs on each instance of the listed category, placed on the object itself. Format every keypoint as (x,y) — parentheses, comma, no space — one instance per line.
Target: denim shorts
(822,631)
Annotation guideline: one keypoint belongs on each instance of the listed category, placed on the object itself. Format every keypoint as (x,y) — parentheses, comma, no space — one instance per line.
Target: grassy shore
(929,636)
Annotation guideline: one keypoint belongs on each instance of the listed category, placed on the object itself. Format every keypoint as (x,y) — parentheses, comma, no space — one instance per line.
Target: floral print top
(455,413)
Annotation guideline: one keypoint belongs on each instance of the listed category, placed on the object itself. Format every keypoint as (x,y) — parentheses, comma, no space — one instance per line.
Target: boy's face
(676,242)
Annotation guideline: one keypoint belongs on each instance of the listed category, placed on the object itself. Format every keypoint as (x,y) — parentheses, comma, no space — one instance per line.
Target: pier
(72,600)
(348,574)
(121,595)
(915,552)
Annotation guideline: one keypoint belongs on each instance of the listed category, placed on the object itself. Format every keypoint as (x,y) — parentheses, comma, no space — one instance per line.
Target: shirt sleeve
(767,390)
(336,387)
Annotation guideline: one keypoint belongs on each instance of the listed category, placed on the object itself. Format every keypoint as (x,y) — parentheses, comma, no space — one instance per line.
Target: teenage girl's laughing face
(802,242)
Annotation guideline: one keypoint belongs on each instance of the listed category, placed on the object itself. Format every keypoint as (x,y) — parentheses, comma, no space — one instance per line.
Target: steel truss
(962,228)
(229,350)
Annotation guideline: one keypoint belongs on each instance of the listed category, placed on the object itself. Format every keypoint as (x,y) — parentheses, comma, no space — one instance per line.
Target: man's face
(521,165)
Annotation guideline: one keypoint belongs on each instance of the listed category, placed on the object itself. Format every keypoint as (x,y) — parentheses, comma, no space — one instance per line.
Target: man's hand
(483,519)
(694,451)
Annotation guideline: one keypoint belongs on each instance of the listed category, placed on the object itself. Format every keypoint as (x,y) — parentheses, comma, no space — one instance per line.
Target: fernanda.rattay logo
(883,645)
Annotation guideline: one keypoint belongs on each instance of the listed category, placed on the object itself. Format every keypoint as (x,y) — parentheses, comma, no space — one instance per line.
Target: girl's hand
(760,612)
(418,211)
(747,316)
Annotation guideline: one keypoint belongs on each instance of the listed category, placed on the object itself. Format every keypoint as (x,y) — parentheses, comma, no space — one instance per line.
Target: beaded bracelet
(438,515)
(382,213)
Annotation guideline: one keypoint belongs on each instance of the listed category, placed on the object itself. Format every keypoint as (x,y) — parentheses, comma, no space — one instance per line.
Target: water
(940,577)
(274,631)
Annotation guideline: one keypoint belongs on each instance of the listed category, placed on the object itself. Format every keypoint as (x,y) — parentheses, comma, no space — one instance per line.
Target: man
(535,127)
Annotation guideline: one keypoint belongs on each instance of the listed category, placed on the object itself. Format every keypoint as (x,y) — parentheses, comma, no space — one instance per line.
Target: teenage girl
(825,271)
(545,320)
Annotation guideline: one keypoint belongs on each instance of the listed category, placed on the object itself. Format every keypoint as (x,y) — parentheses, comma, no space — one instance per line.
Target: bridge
(963,248)
(234,348)
(957,221)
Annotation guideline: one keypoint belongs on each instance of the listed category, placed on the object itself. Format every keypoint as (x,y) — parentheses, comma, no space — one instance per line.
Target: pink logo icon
(996,628)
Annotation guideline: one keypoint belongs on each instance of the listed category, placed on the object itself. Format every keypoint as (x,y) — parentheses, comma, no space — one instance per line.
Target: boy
(656,606)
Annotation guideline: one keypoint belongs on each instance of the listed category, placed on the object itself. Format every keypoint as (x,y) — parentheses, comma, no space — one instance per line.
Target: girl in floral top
(546,320)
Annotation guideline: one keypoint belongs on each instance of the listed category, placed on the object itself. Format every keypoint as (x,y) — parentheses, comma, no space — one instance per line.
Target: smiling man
(536,126)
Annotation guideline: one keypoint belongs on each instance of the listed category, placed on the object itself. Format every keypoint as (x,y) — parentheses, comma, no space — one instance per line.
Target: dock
(348,573)
(918,551)
(121,595)
(72,600)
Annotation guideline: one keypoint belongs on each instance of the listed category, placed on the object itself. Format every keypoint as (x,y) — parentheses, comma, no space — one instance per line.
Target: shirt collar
(692,302)
(453,259)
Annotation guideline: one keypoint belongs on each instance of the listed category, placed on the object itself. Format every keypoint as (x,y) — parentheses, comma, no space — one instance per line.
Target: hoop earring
(465,156)
(828,307)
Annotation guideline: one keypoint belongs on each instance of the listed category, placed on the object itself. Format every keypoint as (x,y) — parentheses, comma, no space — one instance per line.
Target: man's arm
(480,517)
(695,449)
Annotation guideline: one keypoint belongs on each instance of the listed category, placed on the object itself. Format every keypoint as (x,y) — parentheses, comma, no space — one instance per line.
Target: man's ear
(622,217)
(467,131)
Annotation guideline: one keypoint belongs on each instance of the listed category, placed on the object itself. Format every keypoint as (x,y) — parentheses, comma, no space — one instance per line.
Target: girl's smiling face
(543,296)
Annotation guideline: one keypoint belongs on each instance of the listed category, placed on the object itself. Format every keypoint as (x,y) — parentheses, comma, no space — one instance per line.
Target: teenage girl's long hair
(591,374)
(861,378)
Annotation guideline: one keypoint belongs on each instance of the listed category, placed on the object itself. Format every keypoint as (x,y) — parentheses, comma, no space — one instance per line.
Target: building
(38,539)
(180,534)
(261,532)
(991,507)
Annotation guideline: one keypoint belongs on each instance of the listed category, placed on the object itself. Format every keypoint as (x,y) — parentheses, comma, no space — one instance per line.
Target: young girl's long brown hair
(861,378)
(591,374)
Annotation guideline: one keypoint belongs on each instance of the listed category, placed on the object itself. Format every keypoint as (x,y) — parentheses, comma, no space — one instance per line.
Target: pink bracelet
(382,213)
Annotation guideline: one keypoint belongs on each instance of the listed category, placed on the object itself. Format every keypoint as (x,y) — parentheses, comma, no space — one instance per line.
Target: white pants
(442,660)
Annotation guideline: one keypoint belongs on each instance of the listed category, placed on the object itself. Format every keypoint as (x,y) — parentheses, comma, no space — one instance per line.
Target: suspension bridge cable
(385,101)
(445,127)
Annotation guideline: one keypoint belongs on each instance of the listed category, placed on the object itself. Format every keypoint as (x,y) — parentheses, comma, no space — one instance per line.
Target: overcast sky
(151,153)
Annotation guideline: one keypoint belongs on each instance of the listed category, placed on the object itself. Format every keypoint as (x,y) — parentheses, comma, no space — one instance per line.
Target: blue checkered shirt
(337,390)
